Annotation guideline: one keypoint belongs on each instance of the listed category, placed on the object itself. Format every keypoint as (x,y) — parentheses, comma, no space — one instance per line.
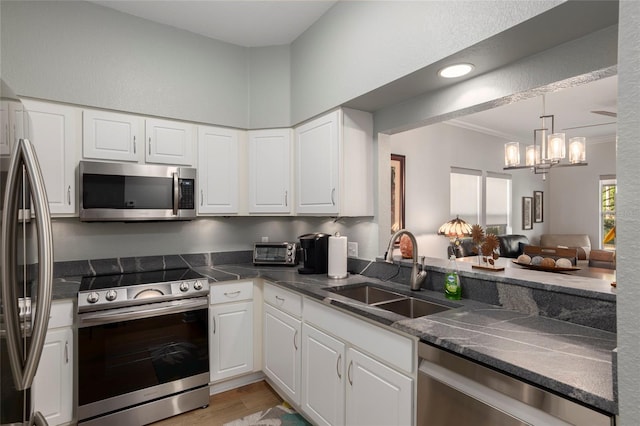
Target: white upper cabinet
(169,142)
(218,170)
(334,164)
(52,129)
(126,137)
(12,125)
(112,136)
(270,171)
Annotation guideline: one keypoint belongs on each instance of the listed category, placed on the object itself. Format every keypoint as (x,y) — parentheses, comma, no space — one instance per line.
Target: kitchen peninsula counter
(569,359)
(566,358)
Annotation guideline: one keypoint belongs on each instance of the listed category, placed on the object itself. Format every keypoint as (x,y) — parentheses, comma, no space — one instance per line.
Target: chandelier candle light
(547,150)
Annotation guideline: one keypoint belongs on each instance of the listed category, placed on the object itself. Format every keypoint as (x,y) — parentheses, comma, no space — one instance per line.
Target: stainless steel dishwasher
(455,391)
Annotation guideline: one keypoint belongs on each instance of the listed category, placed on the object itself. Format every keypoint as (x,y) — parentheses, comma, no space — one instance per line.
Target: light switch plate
(352,249)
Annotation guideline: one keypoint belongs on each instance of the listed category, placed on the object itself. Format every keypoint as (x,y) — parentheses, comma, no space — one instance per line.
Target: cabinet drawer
(61,313)
(234,292)
(283,299)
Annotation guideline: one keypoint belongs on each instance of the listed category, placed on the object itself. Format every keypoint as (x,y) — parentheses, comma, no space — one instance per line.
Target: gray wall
(82,53)
(571,211)
(359,46)
(430,152)
(628,217)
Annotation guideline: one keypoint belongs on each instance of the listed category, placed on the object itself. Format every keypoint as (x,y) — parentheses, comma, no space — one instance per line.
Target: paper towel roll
(337,266)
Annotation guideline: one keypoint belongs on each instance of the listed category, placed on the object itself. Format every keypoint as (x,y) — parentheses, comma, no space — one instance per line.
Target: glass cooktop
(136,278)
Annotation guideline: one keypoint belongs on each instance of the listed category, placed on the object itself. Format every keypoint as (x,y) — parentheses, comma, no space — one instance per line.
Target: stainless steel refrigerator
(26,267)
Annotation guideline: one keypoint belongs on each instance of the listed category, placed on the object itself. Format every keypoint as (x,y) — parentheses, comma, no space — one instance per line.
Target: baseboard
(235,383)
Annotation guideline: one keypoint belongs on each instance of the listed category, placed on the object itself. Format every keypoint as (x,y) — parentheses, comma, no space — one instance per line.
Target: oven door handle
(131,313)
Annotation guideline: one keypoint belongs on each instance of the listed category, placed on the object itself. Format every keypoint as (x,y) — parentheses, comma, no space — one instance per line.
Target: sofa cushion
(512,245)
(577,241)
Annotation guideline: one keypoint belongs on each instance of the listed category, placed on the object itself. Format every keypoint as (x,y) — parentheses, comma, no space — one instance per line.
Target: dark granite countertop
(571,360)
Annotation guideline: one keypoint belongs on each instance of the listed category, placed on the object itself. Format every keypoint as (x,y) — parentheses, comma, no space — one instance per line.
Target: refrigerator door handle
(24,366)
(38,419)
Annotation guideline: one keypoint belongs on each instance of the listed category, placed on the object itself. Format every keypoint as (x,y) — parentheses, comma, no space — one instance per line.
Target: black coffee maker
(315,253)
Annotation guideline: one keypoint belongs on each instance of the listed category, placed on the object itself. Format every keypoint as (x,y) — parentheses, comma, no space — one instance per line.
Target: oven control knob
(197,285)
(111,295)
(93,297)
(184,286)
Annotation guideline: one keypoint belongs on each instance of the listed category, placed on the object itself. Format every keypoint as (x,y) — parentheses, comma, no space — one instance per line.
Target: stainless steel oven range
(143,352)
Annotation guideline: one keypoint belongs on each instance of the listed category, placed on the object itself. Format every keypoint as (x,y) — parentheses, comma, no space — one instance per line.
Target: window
(608,212)
(465,194)
(498,203)
(466,189)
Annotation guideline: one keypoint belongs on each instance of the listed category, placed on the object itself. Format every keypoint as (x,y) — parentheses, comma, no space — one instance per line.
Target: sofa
(581,242)
(511,246)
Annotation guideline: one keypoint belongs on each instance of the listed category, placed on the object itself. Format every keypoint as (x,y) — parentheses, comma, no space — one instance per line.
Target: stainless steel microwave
(136,192)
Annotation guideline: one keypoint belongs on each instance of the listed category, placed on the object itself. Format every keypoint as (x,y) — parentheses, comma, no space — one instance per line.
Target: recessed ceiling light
(457,70)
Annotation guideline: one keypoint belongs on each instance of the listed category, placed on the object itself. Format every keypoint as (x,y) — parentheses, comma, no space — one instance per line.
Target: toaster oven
(280,253)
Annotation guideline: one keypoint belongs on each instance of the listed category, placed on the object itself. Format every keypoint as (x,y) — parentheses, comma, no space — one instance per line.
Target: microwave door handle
(176,193)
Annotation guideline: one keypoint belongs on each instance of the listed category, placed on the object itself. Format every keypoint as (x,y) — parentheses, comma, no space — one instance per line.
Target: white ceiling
(572,108)
(241,22)
(277,22)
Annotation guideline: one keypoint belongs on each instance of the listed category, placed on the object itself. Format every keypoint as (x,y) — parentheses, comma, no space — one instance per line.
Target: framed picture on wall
(537,206)
(527,213)
(397,192)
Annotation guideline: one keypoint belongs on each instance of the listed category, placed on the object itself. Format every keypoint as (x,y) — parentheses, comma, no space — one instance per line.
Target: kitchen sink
(367,294)
(400,304)
(413,308)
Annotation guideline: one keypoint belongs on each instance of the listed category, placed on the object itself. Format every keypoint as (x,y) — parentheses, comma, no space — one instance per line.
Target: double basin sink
(400,304)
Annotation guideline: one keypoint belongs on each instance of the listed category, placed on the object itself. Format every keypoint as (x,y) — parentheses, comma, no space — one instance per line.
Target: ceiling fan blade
(589,125)
(607,113)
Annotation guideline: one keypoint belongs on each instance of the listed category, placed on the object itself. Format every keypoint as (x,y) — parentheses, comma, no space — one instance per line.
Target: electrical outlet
(352,249)
(265,239)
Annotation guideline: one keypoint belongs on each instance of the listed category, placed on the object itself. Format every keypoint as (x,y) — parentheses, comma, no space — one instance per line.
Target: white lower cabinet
(323,378)
(354,372)
(281,343)
(376,394)
(231,330)
(52,389)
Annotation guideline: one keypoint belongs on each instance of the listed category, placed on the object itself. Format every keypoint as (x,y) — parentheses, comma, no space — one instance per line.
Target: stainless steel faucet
(416,277)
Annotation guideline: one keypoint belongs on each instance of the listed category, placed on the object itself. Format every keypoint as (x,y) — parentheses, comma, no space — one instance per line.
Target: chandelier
(547,151)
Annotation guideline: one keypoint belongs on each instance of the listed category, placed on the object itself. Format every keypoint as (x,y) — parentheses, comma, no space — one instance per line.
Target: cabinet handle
(333,192)
(134,144)
(149,145)
(338,366)
(232,294)
(69,195)
(214,325)
(280,299)
(66,352)
(286,198)
(349,373)
(294,340)
(201,197)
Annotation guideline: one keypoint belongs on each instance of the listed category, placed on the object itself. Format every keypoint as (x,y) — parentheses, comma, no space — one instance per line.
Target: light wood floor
(227,406)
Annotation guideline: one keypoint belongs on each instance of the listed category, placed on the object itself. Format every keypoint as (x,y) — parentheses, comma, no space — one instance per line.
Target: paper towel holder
(337,261)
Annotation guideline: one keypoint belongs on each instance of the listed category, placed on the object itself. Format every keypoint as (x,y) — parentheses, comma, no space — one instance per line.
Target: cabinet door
(169,142)
(322,377)
(376,394)
(270,171)
(317,165)
(52,130)
(281,351)
(218,170)
(52,388)
(231,344)
(111,136)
